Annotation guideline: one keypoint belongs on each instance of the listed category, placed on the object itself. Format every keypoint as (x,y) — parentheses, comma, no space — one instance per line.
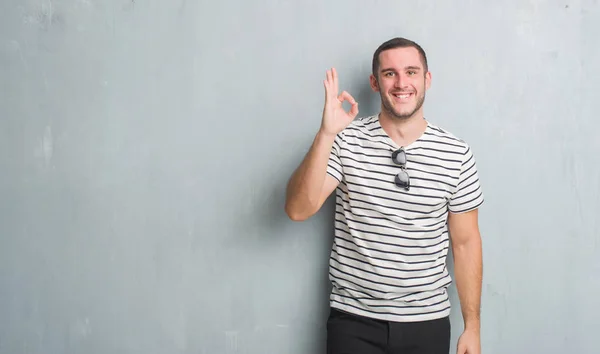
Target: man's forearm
(305,185)
(468,270)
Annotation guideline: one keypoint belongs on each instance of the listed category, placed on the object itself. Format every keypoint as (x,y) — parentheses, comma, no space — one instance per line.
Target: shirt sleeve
(334,166)
(468,194)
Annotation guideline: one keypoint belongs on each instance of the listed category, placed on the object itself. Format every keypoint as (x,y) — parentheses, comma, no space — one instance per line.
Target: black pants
(352,334)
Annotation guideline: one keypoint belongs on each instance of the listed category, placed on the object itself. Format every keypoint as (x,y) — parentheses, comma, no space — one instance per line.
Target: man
(406,191)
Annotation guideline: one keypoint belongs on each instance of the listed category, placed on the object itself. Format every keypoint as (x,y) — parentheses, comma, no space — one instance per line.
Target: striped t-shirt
(388,259)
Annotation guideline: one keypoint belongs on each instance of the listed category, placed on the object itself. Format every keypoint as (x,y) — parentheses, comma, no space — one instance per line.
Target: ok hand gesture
(335,118)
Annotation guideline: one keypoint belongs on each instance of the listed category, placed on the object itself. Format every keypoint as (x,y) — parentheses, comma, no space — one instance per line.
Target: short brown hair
(397,42)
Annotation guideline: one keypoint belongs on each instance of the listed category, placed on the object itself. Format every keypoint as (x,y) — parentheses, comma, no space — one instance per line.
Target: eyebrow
(410,67)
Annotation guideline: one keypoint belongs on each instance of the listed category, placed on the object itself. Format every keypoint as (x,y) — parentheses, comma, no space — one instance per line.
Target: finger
(345,96)
(336,86)
(327,83)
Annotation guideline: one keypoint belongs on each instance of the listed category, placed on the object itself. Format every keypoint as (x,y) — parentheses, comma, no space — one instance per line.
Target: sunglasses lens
(399,157)
(402,179)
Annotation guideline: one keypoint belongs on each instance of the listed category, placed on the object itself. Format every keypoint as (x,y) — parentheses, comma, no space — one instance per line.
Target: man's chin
(395,113)
(402,114)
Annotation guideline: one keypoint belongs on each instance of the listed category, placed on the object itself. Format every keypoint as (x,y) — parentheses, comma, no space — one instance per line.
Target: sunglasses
(402,179)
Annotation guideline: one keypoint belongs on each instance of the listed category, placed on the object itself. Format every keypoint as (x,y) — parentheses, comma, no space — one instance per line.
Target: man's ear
(374,83)
(428,80)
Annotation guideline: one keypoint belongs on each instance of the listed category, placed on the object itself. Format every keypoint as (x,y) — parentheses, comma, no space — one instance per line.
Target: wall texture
(145,147)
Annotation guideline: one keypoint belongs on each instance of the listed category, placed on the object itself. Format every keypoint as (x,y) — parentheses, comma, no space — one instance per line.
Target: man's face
(401,82)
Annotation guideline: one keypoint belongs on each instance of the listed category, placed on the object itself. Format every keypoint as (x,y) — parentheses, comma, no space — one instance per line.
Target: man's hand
(469,342)
(335,119)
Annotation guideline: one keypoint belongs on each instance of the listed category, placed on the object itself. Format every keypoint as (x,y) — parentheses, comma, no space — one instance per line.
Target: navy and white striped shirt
(388,259)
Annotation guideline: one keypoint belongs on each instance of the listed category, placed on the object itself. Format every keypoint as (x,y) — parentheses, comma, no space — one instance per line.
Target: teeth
(403,96)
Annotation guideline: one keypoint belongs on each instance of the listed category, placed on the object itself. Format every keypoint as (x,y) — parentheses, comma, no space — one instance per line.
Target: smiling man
(406,191)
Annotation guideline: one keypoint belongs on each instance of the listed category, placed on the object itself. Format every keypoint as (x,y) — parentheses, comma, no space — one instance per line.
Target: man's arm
(468,265)
(311,185)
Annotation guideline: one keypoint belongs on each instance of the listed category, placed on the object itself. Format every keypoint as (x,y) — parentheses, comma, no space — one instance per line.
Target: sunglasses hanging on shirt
(402,179)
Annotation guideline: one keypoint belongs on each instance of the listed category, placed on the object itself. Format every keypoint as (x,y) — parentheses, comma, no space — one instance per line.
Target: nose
(399,81)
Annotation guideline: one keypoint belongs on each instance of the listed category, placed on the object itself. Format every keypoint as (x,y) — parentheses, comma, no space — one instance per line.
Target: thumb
(354,110)
(461,349)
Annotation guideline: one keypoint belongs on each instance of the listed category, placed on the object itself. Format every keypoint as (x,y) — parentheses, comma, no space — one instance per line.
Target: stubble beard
(389,108)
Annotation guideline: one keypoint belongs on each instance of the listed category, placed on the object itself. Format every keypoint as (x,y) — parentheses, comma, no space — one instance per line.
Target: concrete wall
(145,147)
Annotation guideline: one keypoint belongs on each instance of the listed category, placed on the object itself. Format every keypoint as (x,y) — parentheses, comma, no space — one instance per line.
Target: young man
(406,191)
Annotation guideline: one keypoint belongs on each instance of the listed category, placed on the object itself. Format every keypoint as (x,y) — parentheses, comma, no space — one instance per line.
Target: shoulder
(362,126)
(447,138)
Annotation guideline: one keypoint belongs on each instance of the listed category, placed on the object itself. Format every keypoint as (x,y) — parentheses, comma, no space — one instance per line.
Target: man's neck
(403,131)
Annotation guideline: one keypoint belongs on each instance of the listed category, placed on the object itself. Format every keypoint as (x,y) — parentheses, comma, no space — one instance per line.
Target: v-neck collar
(391,142)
